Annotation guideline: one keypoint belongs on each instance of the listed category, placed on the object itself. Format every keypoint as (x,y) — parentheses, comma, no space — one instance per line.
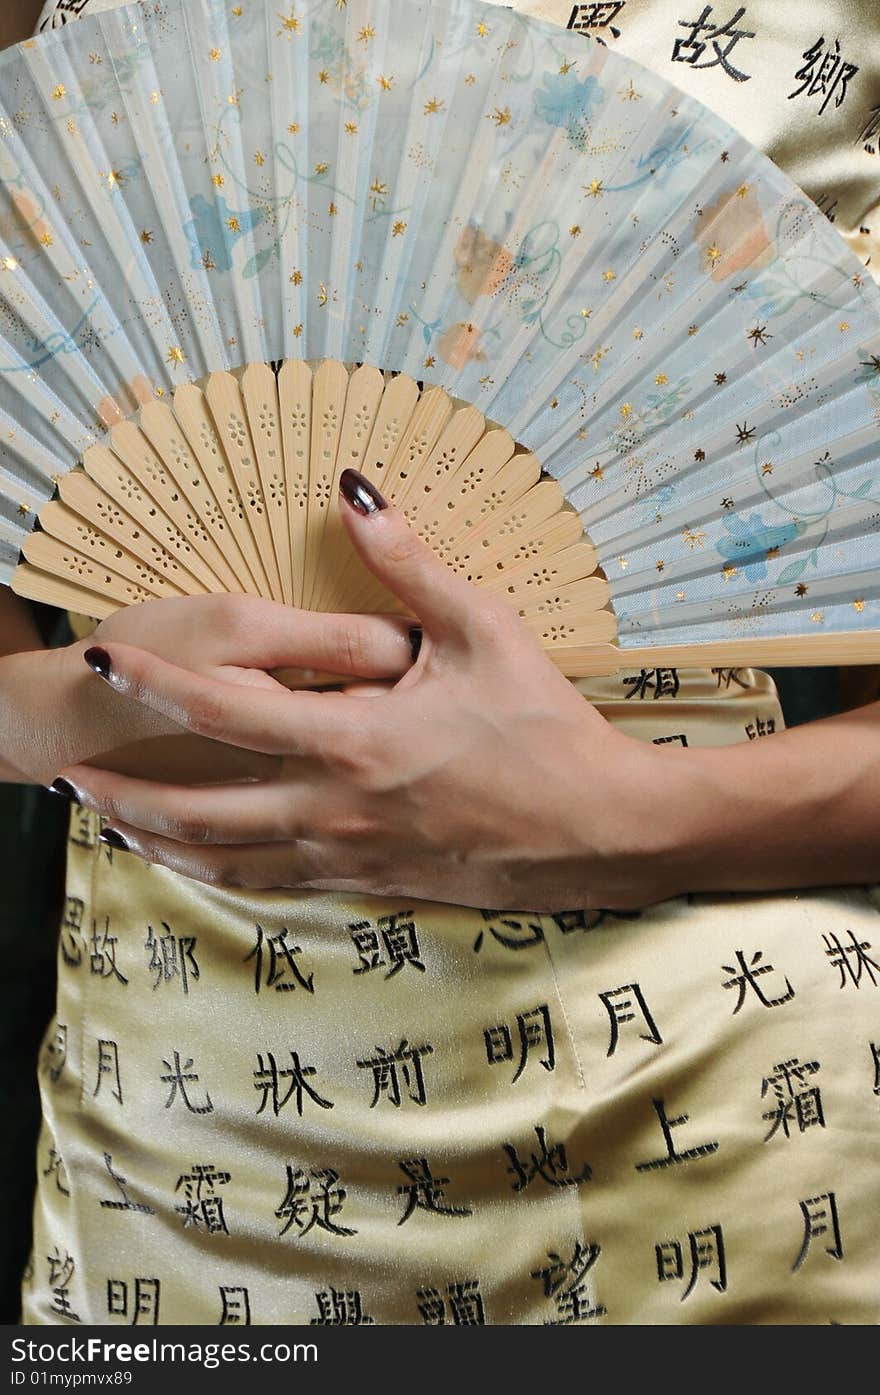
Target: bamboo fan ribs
(234,488)
(611,363)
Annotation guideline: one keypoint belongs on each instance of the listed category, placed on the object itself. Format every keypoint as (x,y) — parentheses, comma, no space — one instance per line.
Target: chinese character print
(327,1109)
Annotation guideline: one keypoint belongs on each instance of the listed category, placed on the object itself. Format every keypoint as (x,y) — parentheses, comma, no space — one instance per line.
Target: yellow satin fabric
(304,1109)
(670,1117)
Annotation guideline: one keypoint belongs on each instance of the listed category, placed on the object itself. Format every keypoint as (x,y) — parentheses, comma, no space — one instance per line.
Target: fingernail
(98,661)
(357,491)
(62,786)
(113,839)
(415,641)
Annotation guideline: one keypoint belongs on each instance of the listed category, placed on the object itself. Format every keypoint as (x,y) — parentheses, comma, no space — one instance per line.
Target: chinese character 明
(706,1251)
(424,1191)
(760,727)
(312,1198)
(280,961)
(691,49)
(702,1150)
(824,73)
(145,1300)
(565,1281)
(820,1219)
(551,1164)
(391,1068)
(624,1005)
(236,1306)
(56,1051)
(794,1099)
(748,978)
(267,1078)
(534,1029)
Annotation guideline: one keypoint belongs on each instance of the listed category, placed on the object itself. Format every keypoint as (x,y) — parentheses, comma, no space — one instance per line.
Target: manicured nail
(62,786)
(357,491)
(113,839)
(98,661)
(415,641)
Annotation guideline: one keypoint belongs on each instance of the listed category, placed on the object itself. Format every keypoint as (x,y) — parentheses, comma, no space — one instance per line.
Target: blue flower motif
(214,228)
(566,102)
(750,539)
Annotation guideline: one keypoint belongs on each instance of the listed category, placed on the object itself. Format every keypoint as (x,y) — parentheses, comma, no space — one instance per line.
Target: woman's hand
(482,777)
(54,713)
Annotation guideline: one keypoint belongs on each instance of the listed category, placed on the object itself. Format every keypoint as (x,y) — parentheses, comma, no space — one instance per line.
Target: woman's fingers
(252,632)
(253,812)
(258,866)
(405,564)
(276,723)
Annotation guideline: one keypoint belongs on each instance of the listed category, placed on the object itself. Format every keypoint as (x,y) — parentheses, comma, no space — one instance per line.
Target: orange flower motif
(733,228)
(483,265)
(460,344)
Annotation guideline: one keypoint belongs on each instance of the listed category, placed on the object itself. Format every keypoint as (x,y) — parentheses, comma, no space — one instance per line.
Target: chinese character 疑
(305,1205)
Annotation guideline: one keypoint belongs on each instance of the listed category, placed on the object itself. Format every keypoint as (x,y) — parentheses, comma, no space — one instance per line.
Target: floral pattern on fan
(450,190)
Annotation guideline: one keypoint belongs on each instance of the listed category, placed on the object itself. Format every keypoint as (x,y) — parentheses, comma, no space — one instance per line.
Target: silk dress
(265,1107)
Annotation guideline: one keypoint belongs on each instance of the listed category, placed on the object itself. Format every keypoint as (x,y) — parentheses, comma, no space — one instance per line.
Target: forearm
(797,809)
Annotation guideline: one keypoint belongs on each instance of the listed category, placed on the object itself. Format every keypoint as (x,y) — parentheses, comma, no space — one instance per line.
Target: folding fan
(607,358)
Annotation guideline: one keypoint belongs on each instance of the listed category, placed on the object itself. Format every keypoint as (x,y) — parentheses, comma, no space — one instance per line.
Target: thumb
(399,558)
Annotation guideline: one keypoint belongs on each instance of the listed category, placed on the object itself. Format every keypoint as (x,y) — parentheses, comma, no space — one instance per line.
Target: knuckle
(205,712)
(187,828)
(404,549)
(490,623)
(353,648)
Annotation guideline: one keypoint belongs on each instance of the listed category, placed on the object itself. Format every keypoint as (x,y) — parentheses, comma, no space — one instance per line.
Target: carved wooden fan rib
(234,488)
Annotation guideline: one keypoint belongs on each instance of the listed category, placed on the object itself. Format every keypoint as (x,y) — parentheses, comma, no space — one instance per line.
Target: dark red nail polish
(98,661)
(357,491)
(415,641)
(62,786)
(113,839)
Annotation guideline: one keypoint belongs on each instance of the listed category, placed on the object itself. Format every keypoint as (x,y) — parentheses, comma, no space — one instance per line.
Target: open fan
(244,246)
